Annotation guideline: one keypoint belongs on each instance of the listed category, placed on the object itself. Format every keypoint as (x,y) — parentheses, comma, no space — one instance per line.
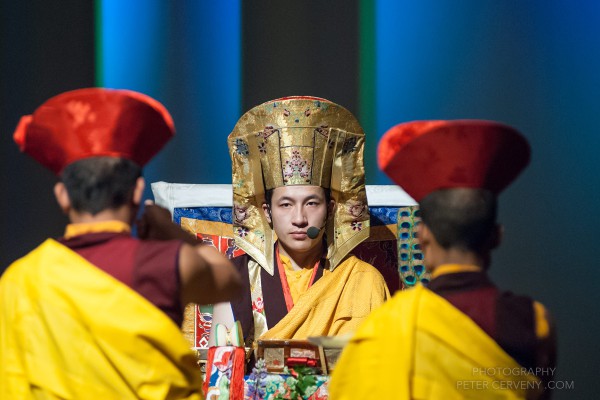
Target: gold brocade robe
(70,331)
(418,346)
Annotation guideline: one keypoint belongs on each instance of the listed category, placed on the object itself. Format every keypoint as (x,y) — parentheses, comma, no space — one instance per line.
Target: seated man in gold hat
(461,337)
(300,207)
(96,314)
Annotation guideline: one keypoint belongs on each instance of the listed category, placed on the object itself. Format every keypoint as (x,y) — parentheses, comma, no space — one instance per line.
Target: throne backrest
(206,211)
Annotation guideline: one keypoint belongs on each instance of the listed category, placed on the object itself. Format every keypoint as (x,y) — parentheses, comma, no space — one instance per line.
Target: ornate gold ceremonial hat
(298,140)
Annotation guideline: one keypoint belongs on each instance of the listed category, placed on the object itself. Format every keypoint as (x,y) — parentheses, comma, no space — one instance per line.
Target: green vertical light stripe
(99,45)
(367,85)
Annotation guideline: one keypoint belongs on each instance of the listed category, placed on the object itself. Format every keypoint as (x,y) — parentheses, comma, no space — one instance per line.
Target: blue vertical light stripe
(133,43)
(188,56)
(206,85)
(409,59)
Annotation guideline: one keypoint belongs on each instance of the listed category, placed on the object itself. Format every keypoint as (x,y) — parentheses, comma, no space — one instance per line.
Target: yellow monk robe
(298,279)
(70,331)
(336,304)
(419,346)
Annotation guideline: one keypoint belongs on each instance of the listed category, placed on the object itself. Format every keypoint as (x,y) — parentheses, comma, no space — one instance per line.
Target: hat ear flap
(21,131)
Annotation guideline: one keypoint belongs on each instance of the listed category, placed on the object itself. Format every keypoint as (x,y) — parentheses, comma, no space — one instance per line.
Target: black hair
(99,183)
(461,218)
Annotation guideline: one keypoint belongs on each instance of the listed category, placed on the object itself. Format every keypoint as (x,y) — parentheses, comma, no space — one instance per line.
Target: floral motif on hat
(296,167)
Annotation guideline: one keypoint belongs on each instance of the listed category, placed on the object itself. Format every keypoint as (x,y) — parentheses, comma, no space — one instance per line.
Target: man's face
(292,211)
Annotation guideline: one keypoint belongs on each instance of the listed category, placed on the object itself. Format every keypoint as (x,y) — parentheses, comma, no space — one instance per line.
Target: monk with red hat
(96,313)
(459,337)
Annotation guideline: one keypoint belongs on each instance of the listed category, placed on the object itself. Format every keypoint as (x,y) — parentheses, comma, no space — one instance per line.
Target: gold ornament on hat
(298,141)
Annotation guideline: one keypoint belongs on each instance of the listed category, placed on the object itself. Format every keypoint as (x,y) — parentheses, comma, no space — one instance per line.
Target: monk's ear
(62,197)
(424,234)
(138,191)
(331,207)
(267,211)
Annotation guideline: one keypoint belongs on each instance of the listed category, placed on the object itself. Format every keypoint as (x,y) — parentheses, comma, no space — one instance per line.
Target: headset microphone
(313,232)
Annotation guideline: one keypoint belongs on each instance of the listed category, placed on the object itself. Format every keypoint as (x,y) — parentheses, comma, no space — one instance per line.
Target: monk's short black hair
(99,183)
(461,218)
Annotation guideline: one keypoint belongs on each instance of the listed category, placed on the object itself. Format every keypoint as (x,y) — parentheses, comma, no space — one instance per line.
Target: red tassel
(236,387)
(210,359)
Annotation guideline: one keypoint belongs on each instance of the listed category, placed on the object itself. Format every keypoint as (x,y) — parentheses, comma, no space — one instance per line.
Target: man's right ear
(424,234)
(138,191)
(267,210)
(62,197)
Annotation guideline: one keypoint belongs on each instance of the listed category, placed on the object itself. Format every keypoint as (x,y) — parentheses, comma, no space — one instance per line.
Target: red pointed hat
(94,122)
(424,156)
